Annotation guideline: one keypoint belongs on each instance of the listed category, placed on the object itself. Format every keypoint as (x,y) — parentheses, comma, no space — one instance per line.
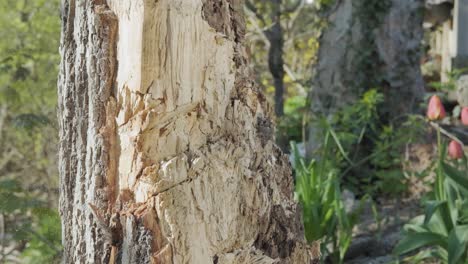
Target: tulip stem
(445,132)
(439,177)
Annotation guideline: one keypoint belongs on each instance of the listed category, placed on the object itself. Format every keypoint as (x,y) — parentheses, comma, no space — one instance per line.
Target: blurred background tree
(29,222)
(367,82)
(283,41)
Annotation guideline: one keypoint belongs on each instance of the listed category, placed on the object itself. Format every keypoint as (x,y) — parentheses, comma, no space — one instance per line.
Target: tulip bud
(435,109)
(455,150)
(464,116)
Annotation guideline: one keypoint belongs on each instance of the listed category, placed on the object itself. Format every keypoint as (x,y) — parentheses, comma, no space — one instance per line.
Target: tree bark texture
(166,144)
(370,44)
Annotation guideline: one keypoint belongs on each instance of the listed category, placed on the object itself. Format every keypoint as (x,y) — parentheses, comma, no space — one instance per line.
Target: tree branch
(3,114)
(294,6)
(251,6)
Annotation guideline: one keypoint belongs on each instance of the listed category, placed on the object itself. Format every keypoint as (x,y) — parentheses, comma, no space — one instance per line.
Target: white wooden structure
(460,34)
(449,42)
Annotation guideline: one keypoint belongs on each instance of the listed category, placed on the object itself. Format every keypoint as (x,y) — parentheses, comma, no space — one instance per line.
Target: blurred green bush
(29,41)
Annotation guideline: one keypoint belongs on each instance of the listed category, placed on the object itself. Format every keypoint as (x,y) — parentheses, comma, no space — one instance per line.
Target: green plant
(451,83)
(373,148)
(318,191)
(44,241)
(387,155)
(33,226)
(293,123)
(442,232)
(30,36)
(350,128)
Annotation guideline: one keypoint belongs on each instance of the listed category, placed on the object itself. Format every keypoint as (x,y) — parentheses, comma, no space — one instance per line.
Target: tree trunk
(369,44)
(166,144)
(275,56)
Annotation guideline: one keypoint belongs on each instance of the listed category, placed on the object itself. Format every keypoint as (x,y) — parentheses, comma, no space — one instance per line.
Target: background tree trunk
(275,56)
(163,131)
(369,44)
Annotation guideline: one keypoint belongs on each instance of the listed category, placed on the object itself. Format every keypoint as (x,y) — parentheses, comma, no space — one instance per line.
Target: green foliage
(28,44)
(29,57)
(12,198)
(359,119)
(350,126)
(442,232)
(44,241)
(319,193)
(325,3)
(451,83)
(301,28)
(387,154)
(294,120)
(30,222)
(373,148)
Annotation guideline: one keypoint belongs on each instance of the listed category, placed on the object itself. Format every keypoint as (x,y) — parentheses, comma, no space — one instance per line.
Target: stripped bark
(166,143)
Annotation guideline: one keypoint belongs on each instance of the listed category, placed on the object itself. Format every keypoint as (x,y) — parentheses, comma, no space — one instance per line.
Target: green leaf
(416,228)
(431,207)
(10,186)
(414,241)
(418,258)
(457,243)
(340,147)
(446,217)
(463,216)
(29,121)
(457,176)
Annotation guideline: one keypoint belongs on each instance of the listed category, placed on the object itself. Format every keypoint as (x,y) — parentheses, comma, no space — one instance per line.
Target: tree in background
(369,55)
(166,144)
(29,223)
(282,37)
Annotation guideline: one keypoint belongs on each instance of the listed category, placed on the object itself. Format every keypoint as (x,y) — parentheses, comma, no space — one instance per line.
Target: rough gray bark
(165,141)
(369,45)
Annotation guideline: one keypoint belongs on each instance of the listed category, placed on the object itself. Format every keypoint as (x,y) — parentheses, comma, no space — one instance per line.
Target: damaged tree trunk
(166,144)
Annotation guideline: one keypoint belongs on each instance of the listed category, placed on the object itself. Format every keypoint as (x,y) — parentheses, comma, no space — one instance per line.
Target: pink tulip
(464,116)
(435,109)
(455,150)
